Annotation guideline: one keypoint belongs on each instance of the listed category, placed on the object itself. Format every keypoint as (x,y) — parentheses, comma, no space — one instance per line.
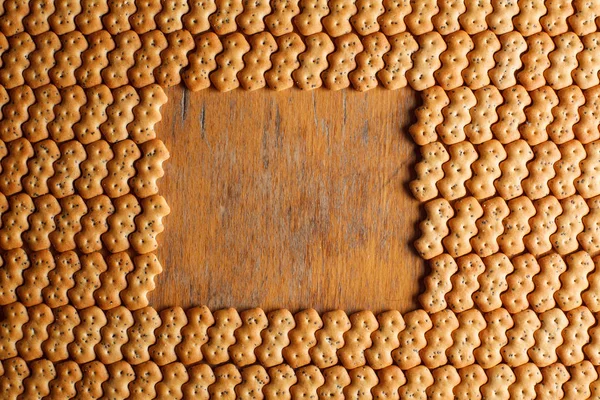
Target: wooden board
(291,199)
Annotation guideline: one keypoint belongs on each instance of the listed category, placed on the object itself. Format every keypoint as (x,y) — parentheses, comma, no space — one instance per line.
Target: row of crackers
(433,340)
(336,17)
(510,227)
(42,280)
(120,380)
(87,225)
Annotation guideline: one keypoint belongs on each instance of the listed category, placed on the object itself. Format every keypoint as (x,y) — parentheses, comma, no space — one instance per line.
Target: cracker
(221,336)
(546,283)
(68,373)
(309,380)
(230,62)
(114,335)
(61,279)
(89,20)
(313,61)
(251,20)
(397,61)
(419,20)
(508,60)
(365,21)
(429,171)
(528,21)
(418,379)
(329,339)
(483,114)
(94,374)
(541,171)
(168,335)
(391,22)
(174,377)
(15,221)
(93,114)
(202,61)
(222,21)
(68,59)
(575,336)
(565,114)
(535,61)
(121,59)
(493,338)
(585,75)
(338,21)
(282,378)
(41,60)
(15,60)
(587,184)
(369,62)
(14,263)
(113,281)
(543,225)
(555,21)
(490,227)
(147,376)
(457,170)
(456,115)
(121,223)
(520,283)
(66,114)
(36,21)
(257,61)
(445,380)
(563,60)
(120,374)
(511,114)
(41,113)
(174,58)
(434,228)
(586,130)
(147,59)
(68,223)
(582,22)
(514,169)
(15,114)
(36,384)
(121,168)
(500,378)
(302,338)
(149,168)
(66,169)
(385,339)
(591,349)
(279,21)
(390,380)
(14,166)
(147,113)
(201,376)
(336,378)
(474,20)
(141,335)
(227,377)
(520,338)
(574,281)
(94,169)
(86,335)
(553,378)
(87,280)
(149,224)
(471,380)
(446,20)
(548,338)
(94,59)
(481,60)
(439,339)
(275,338)
(454,61)
(169,19)
(569,225)
(247,336)
(342,61)
(426,60)
(462,226)
(15,372)
(308,21)
(516,226)
(362,381)
(429,115)
(13,329)
(500,20)
(142,20)
(465,338)
(465,282)
(438,283)
(194,335)
(35,278)
(62,21)
(412,339)
(60,333)
(590,296)
(582,375)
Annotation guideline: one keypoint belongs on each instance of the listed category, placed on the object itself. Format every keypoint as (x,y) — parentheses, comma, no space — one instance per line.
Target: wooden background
(291,199)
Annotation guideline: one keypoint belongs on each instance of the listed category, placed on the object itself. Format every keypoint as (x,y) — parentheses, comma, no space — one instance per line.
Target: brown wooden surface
(291,199)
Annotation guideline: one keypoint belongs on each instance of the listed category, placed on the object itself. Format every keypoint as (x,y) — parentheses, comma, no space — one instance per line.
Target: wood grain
(291,199)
